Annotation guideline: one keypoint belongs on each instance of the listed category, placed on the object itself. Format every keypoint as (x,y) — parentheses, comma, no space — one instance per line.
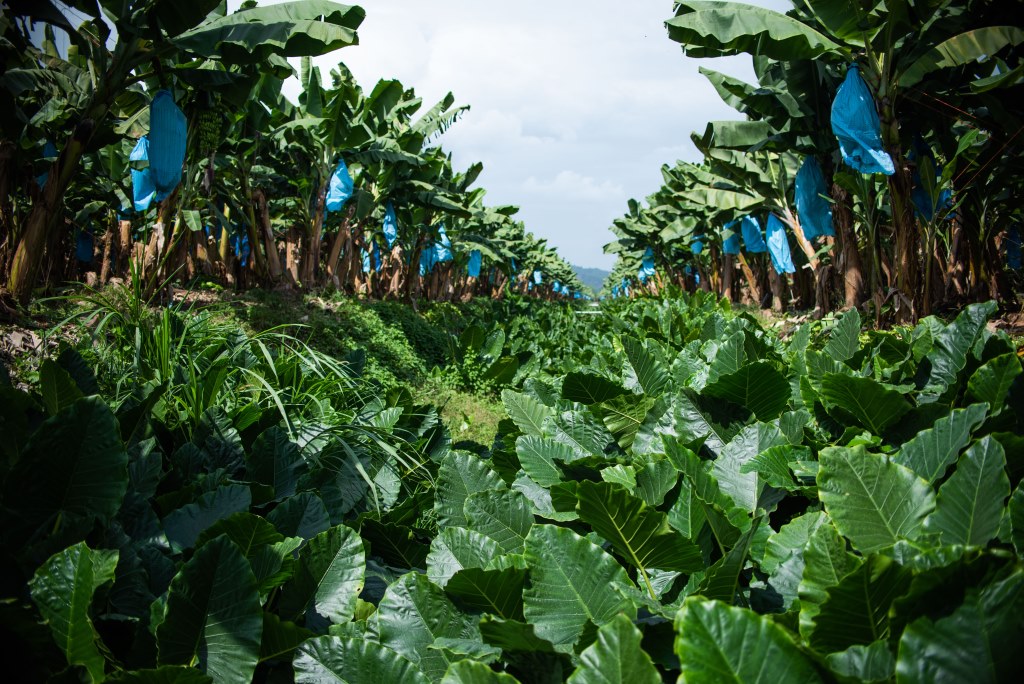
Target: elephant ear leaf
(62,589)
(970,503)
(213,614)
(356,661)
(616,657)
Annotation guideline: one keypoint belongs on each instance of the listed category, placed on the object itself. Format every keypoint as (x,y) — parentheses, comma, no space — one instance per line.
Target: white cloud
(570,185)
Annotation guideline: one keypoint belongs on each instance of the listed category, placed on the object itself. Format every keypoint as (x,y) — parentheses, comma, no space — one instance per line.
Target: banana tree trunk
(273,260)
(755,289)
(850,268)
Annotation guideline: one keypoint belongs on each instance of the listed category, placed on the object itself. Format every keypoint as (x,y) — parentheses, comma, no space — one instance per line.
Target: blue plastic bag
(428,257)
(168,135)
(512,263)
(813,209)
(475,261)
(646,266)
(390,225)
(143,190)
(557,287)
(753,240)
(1013,256)
(537,277)
(443,248)
(339,189)
(856,125)
(730,238)
(48,151)
(84,247)
(778,246)
(240,242)
(375,257)
(697,245)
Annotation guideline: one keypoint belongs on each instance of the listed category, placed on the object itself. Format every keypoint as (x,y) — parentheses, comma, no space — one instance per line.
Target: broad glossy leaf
(472,672)
(716,642)
(62,589)
(526,412)
(872,501)
(872,405)
(59,391)
(639,533)
(948,355)
(572,583)
(413,614)
(616,657)
(721,580)
(979,642)
(73,465)
(791,538)
(504,516)
(275,460)
(291,29)
(267,550)
(991,383)
(329,576)
(499,592)
(856,611)
(280,638)
(456,548)
(352,661)
(844,341)
(872,663)
(757,386)
(826,562)
(624,415)
(213,615)
(303,515)
(168,674)
(970,503)
(964,48)
(512,635)
(460,475)
(742,487)
(540,456)
(655,480)
(930,452)
(589,388)
(697,419)
(650,371)
(184,525)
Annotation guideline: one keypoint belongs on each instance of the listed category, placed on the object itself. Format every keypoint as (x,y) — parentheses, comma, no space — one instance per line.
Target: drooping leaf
(460,475)
(826,562)
(624,415)
(499,592)
(589,388)
(213,615)
(615,657)
(62,588)
(280,638)
(572,583)
(303,515)
(353,661)
(844,341)
(504,516)
(641,534)
(526,412)
(948,355)
(329,576)
(275,460)
(872,405)
(970,503)
(744,487)
(540,456)
(856,610)
(184,525)
(716,642)
(978,642)
(872,501)
(59,391)
(758,386)
(456,548)
(872,663)
(267,550)
(413,614)
(651,374)
(964,48)
(721,580)
(931,451)
(991,383)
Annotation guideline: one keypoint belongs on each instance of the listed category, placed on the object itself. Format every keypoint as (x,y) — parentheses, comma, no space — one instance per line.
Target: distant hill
(591,277)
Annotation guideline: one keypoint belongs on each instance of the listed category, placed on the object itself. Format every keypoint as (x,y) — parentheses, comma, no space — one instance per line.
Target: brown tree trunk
(755,290)
(850,267)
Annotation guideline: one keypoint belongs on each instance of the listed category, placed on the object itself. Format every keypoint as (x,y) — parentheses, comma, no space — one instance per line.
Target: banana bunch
(208,125)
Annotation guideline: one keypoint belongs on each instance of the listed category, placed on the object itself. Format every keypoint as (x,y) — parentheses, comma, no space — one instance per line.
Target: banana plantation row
(879,165)
(174,154)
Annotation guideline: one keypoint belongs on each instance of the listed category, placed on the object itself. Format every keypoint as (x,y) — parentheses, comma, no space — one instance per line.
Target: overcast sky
(574,105)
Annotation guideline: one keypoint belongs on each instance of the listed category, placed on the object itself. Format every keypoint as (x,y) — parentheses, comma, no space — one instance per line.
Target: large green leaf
(303,515)
(472,672)
(640,533)
(970,46)
(329,576)
(856,610)
(275,460)
(991,383)
(413,614)
(826,562)
(460,475)
(978,642)
(589,388)
(184,525)
(717,643)
(971,502)
(502,515)
(722,580)
(352,661)
(844,341)
(268,551)
(646,367)
(499,592)
(526,412)
(873,501)
(948,355)
(168,674)
(62,589)
(290,29)
(540,456)
(757,386)
(213,615)
(931,451)
(57,388)
(573,582)
(744,487)
(624,415)
(872,405)
(615,657)
(74,465)
(456,548)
